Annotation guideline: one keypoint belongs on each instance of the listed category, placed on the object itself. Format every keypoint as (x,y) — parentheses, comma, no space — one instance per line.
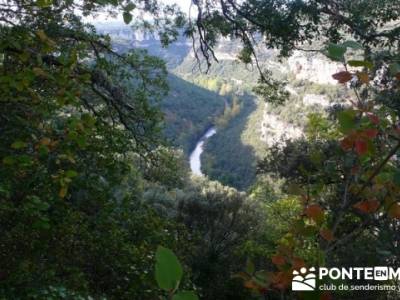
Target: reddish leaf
(371,132)
(250,284)
(398,76)
(278,260)
(315,212)
(282,280)
(363,77)
(361,147)
(285,249)
(342,77)
(346,144)
(394,211)
(327,234)
(298,263)
(373,118)
(369,206)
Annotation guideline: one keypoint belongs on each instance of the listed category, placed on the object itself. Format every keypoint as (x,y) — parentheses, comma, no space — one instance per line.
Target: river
(195,156)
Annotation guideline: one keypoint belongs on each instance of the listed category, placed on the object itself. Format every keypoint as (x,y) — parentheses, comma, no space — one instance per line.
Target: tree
(78,121)
(346,178)
(220,219)
(288,26)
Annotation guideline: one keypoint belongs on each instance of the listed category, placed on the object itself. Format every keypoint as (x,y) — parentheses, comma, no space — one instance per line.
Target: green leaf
(396,178)
(336,52)
(25,160)
(127,17)
(346,120)
(42,35)
(18,145)
(168,269)
(8,160)
(250,267)
(130,6)
(185,295)
(81,141)
(353,44)
(245,55)
(71,173)
(394,68)
(360,63)
(44,3)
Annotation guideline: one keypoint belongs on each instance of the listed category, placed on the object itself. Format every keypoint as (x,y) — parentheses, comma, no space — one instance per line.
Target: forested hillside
(97,123)
(189,110)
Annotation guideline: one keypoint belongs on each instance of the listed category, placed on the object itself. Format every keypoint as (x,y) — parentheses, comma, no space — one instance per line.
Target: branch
(378,169)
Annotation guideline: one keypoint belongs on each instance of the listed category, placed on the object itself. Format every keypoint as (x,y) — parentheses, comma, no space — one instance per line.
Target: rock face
(125,38)
(315,68)
(315,99)
(274,130)
(311,67)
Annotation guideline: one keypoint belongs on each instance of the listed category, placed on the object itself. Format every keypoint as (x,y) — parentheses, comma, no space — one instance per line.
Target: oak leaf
(371,132)
(373,118)
(278,260)
(327,234)
(346,144)
(363,77)
(361,147)
(369,206)
(342,76)
(394,211)
(315,212)
(298,263)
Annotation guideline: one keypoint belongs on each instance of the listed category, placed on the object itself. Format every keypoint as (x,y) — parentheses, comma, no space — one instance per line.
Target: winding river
(194,159)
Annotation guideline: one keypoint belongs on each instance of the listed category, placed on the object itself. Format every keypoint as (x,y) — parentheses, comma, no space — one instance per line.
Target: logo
(306,279)
(303,282)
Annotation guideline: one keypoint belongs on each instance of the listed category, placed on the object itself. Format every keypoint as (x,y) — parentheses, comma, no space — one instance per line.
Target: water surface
(195,156)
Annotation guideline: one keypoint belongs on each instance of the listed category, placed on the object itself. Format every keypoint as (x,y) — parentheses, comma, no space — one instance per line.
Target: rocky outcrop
(315,99)
(315,68)
(274,130)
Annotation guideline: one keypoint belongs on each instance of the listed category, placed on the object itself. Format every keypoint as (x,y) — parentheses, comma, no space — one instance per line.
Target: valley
(223,97)
(228,152)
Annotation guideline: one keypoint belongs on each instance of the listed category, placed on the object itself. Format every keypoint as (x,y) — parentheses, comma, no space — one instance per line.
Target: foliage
(287,25)
(219,220)
(78,121)
(344,176)
(228,157)
(169,274)
(89,189)
(189,111)
(222,219)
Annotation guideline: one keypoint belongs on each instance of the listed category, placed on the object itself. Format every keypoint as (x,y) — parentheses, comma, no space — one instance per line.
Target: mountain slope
(223,97)
(189,111)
